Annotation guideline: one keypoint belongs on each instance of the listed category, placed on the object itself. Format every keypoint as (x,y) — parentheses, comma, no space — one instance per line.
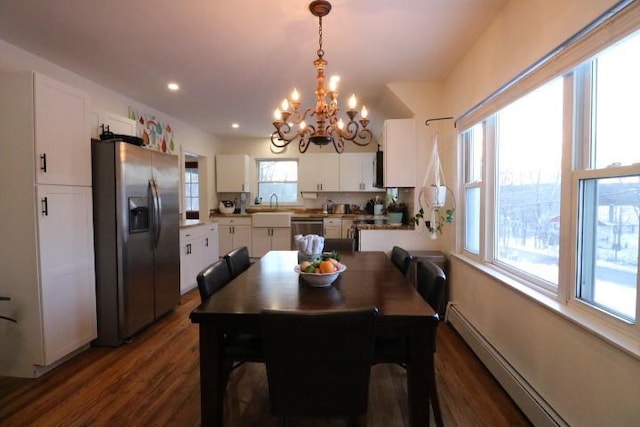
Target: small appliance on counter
(226,207)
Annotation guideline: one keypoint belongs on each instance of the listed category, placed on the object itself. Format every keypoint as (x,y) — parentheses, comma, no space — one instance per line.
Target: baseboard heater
(539,412)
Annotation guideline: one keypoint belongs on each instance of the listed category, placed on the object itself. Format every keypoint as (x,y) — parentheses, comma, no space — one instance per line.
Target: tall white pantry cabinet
(46,238)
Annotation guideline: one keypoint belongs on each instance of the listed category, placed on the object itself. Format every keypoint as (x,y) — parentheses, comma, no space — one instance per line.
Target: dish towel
(310,244)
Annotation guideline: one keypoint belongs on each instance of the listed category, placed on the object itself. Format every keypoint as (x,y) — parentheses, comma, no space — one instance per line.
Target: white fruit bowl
(320,280)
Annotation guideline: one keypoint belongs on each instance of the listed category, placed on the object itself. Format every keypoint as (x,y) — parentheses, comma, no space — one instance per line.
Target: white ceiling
(235,60)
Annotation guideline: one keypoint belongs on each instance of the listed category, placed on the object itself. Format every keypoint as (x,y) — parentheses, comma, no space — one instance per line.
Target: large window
(473,146)
(279,177)
(528,143)
(609,189)
(551,184)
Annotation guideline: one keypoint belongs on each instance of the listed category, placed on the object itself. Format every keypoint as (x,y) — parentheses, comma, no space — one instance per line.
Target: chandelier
(329,128)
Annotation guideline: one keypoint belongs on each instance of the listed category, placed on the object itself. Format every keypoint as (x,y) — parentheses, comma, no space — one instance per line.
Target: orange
(327,267)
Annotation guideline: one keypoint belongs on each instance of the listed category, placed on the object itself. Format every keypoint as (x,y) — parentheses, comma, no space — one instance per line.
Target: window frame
(574,63)
(298,200)
(188,167)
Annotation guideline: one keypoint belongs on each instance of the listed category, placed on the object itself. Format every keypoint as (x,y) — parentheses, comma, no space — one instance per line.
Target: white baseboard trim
(539,412)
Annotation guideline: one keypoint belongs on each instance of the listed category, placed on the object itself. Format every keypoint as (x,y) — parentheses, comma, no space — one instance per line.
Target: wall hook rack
(437,119)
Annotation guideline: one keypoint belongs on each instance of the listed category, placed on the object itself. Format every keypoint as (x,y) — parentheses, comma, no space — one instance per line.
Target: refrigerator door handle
(157,211)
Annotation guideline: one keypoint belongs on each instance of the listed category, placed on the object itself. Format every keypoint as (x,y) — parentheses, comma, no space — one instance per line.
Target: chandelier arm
(285,132)
(277,141)
(296,117)
(338,144)
(365,136)
(351,130)
(303,144)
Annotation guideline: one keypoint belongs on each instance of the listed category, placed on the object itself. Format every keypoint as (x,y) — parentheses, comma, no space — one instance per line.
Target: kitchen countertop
(186,223)
(297,214)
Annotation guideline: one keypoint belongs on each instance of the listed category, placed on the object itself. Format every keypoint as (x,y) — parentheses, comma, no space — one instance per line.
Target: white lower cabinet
(66,268)
(233,232)
(347,229)
(332,228)
(265,239)
(198,249)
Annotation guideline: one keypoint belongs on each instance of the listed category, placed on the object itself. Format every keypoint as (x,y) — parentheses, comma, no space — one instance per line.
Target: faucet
(271,200)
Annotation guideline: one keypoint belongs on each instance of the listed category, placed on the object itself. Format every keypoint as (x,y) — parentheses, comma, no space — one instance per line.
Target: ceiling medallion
(329,128)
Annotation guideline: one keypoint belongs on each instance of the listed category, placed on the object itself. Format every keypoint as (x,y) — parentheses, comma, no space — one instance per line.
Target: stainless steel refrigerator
(136,237)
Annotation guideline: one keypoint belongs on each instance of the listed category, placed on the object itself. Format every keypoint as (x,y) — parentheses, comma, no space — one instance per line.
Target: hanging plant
(438,217)
(433,197)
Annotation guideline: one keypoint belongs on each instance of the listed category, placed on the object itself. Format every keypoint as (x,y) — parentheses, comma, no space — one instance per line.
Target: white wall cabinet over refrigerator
(47,262)
(233,232)
(198,249)
(113,122)
(233,173)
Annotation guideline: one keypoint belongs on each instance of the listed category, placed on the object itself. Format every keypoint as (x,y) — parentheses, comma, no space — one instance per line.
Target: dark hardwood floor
(153,381)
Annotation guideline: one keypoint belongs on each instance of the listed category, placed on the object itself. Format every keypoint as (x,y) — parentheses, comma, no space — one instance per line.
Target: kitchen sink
(271,219)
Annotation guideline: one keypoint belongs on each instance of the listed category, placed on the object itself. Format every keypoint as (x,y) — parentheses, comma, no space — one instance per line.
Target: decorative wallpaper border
(156,134)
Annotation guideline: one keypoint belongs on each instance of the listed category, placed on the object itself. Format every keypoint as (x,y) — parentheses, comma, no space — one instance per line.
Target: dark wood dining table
(271,283)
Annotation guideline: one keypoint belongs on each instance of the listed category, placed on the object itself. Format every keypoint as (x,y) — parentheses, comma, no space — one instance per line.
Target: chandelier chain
(320,50)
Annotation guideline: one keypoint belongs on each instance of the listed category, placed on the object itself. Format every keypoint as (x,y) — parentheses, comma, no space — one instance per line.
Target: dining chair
(319,362)
(401,259)
(339,245)
(238,261)
(238,348)
(213,278)
(431,285)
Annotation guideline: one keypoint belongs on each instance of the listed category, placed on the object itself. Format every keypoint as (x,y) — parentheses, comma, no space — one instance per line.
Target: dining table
(370,279)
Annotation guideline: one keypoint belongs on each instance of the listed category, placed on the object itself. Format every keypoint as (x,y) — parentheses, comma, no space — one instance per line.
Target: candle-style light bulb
(295,96)
(340,124)
(277,115)
(333,83)
(352,102)
(364,113)
(302,125)
(285,105)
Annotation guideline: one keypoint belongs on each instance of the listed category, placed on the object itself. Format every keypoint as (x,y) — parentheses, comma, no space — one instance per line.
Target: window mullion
(488,197)
(572,113)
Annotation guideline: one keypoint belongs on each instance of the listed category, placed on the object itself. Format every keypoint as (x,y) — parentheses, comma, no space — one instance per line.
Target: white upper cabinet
(233,173)
(117,124)
(399,142)
(63,146)
(357,172)
(319,172)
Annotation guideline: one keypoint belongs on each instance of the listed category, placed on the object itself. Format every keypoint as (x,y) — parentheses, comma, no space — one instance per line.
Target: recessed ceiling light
(235,125)
(173,86)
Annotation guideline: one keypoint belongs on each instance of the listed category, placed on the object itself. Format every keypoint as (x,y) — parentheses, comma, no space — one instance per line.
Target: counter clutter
(360,221)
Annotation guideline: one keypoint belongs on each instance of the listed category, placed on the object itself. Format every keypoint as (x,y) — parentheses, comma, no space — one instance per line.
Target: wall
(191,139)
(585,379)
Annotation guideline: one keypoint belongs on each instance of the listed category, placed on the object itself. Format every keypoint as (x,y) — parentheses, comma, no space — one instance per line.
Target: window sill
(572,312)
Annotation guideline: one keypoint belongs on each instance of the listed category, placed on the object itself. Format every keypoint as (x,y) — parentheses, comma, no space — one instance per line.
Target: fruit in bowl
(321,272)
